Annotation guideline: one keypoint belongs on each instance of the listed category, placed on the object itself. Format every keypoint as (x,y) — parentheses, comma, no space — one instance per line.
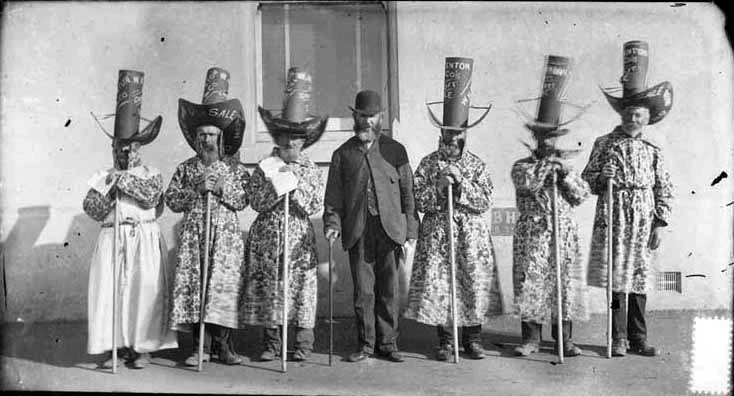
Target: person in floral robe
(478,288)
(642,198)
(263,295)
(534,264)
(534,267)
(217,171)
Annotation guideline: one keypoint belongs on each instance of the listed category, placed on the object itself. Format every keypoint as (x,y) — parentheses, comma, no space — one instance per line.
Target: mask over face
(634,119)
(451,143)
(209,142)
(289,150)
(126,154)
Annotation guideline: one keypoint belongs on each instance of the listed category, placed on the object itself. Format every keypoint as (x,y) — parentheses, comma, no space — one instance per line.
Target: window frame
(257,143)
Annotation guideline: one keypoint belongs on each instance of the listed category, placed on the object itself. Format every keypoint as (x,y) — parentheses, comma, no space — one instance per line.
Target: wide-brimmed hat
(216,110)
(658,99)
(457,96)
(127,113)
(295,118)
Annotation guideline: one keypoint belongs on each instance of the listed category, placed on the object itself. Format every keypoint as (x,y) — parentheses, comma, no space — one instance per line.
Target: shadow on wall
(46,281)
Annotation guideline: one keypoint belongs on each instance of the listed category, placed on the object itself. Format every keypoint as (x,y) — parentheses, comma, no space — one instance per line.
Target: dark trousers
(469,334)
(628,319)
(304,338)
(220,335)
(531,332)
(374,264)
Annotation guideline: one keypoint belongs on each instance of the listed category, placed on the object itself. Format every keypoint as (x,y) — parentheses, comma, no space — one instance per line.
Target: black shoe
(358,356)
(393,356)
(474,350)
(642,348)
(444,352)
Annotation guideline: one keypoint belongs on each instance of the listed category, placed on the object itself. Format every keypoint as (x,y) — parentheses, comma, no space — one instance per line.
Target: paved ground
(51,356)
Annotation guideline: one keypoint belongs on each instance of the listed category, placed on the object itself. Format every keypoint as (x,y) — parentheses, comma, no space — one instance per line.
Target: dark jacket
(345,203)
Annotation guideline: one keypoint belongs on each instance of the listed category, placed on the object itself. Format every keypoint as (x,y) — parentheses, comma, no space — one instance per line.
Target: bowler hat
(367,102)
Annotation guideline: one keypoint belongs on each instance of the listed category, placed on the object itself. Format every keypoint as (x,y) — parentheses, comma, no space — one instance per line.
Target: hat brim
(546,130)
(146,136)
(658,99)
(227,116)
(438,124)
(310,129)
(367,113)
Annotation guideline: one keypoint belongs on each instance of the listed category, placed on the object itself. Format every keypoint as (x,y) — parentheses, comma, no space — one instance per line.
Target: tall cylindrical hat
(658,99)
(557,70)
(635,67)
(127,112)
(296,118)
(216,110)
(456,96)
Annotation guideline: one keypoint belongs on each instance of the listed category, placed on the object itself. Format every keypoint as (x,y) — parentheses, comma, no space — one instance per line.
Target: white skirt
(143,291)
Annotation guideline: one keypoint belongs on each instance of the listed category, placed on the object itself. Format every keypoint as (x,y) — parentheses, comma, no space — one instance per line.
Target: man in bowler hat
(369,203)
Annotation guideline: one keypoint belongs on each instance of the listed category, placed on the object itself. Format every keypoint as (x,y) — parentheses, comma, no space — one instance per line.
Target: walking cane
(116,265)
(204,277)
(557,255)
(610,258)
(452,254)
(284,341)
(331,303)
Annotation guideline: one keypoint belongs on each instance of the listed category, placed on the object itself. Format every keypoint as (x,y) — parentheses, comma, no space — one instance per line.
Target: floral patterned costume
(534,267)
(478,289)
(263,295)
(226,245)
(643,195)
(143,274)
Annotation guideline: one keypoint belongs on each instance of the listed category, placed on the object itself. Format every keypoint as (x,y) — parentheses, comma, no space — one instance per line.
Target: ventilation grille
(669,281)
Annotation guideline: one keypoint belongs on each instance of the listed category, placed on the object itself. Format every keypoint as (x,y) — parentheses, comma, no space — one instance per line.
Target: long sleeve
(574,189)
(425,191)
(309,194)
(334,196)
(663,191)
(529,176)
(234,192)
(261,192)
(592,171)
(98,206)
(180,195)
(407,199)
(146,191)
(475,190)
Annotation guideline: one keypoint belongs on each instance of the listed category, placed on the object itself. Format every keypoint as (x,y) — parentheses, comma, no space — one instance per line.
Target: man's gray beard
(208,155)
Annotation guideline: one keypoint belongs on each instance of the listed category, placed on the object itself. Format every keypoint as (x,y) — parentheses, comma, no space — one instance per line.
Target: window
(343,45)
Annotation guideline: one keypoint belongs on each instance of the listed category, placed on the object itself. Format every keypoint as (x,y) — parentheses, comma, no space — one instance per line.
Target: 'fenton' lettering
(458,65)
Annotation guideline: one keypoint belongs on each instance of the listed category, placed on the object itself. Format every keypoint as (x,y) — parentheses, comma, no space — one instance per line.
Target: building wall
(60,61)
(508,43)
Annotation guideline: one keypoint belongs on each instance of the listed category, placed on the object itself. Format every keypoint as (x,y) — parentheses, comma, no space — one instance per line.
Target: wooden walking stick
(204,277)
(331,302)
(115,266)
(284,335)
(452,259)
(557,255)
(610,259)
